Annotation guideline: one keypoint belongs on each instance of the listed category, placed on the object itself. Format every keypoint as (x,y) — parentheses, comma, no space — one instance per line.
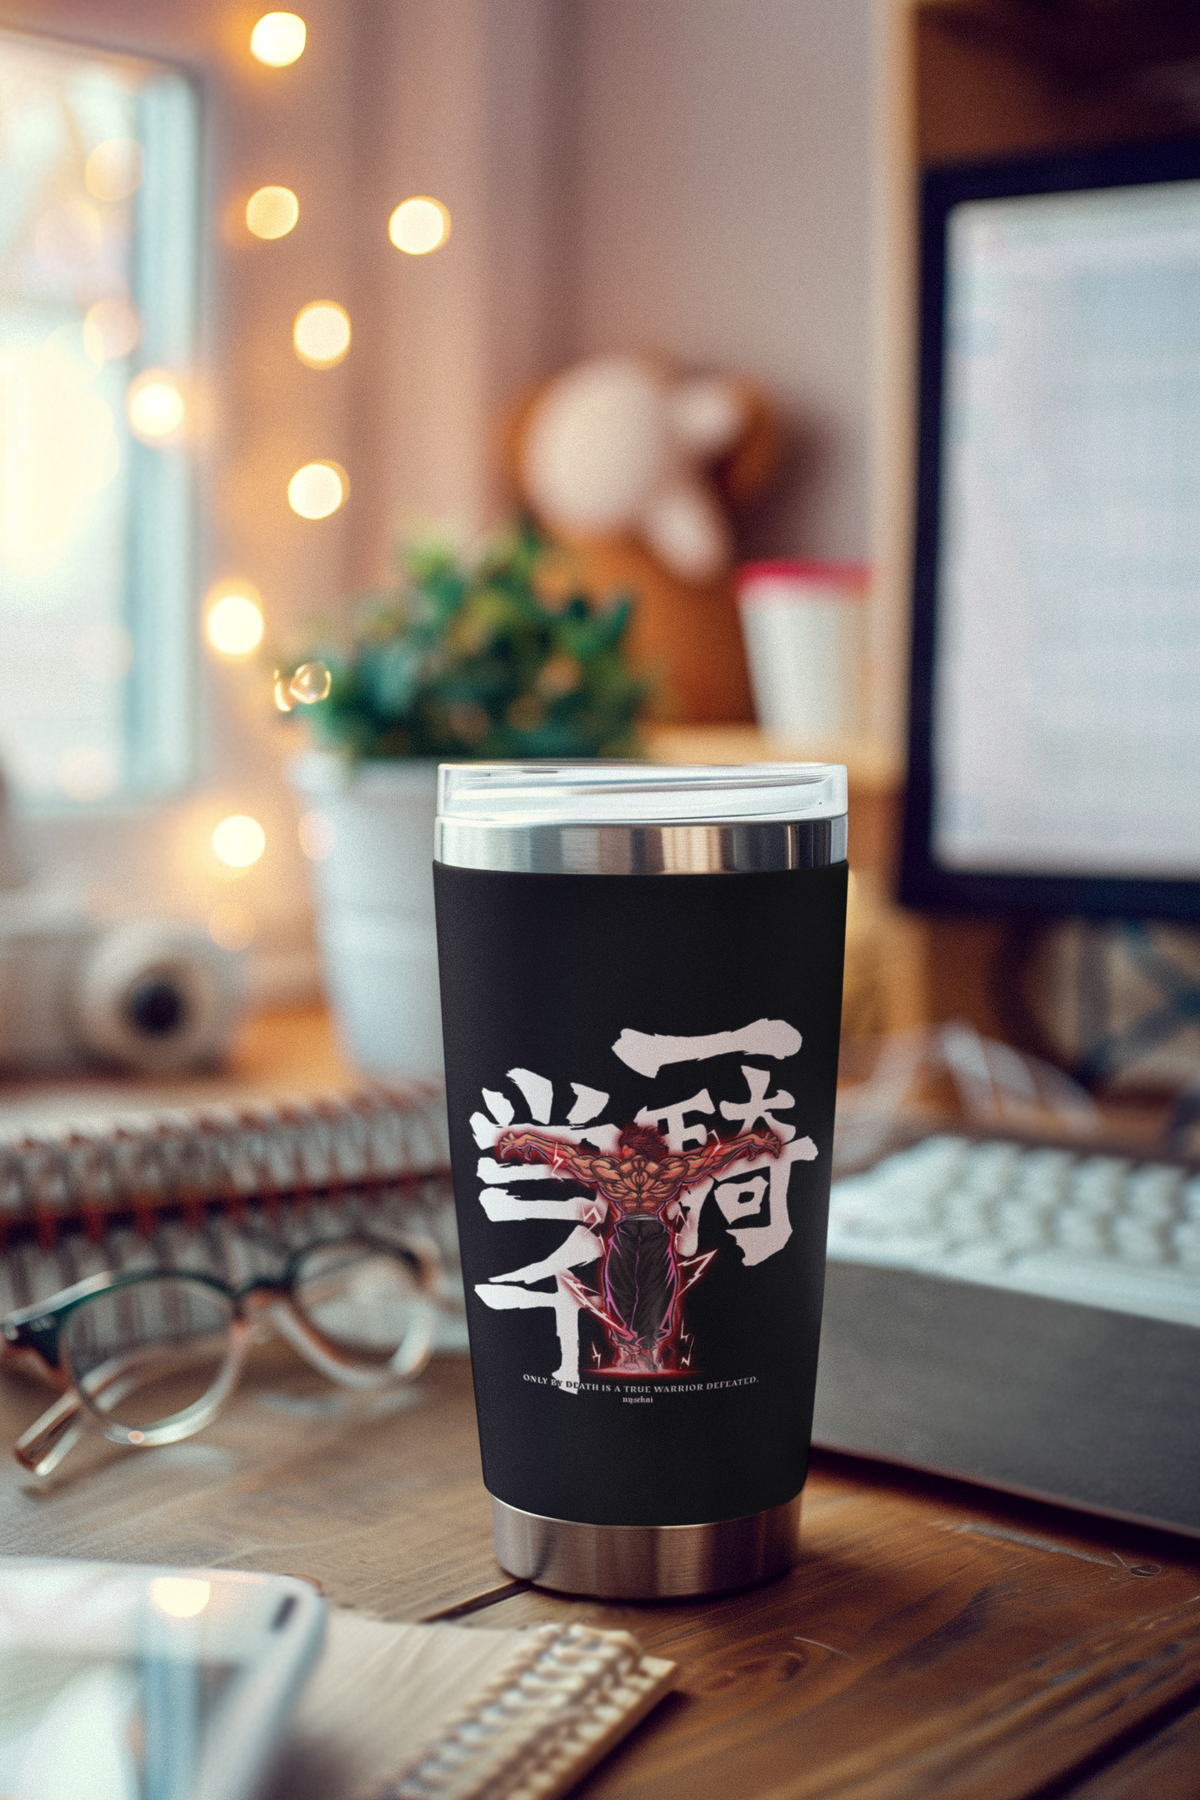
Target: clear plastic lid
(591,793)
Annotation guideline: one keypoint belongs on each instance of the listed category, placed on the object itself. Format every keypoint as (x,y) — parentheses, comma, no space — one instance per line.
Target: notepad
(414,1712)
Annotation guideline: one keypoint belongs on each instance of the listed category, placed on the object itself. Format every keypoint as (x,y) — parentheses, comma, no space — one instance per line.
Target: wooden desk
(935,1640)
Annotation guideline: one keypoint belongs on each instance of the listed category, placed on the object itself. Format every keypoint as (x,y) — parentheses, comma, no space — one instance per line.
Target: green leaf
(448,663)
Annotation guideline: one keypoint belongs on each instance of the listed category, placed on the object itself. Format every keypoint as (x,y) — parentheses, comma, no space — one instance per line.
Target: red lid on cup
(848,578)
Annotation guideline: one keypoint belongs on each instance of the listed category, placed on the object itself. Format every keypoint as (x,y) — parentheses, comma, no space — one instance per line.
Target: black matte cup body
(644,1345)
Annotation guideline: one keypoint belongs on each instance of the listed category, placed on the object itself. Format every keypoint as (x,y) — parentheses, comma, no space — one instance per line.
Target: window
(98,249)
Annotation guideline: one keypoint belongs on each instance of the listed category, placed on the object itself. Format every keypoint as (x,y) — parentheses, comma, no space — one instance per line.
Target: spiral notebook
(439,1712)
(224,1189)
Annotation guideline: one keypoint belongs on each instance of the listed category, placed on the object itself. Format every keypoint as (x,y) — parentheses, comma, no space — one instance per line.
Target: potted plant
(486,658)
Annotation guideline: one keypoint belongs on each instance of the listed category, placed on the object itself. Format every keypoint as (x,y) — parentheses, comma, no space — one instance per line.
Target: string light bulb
(154,406)
(318,489)
(271,212)
(278,39)
(239,841)
(321,334)
(419,225)
(233,622)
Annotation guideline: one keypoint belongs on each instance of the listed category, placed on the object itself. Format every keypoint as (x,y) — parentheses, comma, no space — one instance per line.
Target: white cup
(804,627)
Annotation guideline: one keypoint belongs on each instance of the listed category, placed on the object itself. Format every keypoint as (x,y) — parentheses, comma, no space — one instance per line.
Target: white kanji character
(672,1120)
(760,1105)
(741,1199)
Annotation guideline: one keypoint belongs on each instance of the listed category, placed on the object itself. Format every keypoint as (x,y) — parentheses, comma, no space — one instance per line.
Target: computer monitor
(1055,692)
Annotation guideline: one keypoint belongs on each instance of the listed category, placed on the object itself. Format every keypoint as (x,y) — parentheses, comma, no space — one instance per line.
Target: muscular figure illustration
(641,1277)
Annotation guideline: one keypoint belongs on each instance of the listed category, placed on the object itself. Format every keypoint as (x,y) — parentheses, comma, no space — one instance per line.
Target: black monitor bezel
(924,883)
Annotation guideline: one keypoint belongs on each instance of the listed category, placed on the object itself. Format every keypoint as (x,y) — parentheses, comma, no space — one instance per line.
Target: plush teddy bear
(632,466)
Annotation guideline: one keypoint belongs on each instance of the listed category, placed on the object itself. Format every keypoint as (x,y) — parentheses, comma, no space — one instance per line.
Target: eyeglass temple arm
(48,1439)
(43,1446)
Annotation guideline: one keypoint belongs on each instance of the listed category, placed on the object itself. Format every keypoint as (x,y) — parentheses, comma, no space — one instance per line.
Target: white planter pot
(374,904)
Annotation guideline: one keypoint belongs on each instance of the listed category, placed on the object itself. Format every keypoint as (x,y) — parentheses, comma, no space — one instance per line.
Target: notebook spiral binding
(561,1701)
(220,1156)
(227,1189)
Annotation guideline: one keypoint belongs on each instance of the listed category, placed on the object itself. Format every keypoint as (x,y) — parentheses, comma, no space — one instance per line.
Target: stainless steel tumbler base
(646,1562)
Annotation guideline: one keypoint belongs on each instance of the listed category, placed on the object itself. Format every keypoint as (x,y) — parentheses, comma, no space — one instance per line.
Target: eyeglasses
(152,1356)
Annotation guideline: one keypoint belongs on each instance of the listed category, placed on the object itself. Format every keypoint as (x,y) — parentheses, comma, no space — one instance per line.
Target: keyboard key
(1100,1230)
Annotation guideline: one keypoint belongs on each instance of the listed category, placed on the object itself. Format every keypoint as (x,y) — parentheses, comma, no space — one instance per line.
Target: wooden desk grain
(935,1641)
(1163,1766)
(388,1512)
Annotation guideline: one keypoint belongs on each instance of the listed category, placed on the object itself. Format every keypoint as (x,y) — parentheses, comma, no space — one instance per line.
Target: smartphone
(125,1683)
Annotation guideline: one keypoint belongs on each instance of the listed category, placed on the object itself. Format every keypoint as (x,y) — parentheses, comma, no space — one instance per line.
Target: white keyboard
(1099,1230)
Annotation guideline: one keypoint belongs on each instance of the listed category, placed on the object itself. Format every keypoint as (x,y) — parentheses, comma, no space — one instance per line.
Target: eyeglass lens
(360,1298)
(148,1351)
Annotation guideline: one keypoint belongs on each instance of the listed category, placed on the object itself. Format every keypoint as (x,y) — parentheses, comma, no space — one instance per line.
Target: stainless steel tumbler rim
(692,848)
(640,818)
(646,1562)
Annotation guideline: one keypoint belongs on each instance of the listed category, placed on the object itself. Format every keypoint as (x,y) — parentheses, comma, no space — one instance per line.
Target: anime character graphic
(641,1277)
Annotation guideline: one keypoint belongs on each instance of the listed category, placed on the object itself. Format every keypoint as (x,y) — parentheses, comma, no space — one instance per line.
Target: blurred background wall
(689,176)
(722,210)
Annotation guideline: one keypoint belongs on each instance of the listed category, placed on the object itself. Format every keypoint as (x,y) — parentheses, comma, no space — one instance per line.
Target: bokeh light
(419,225)
(278,39)
(311,682)
(232,926)
(318,835)
(111,329)
(321,334)
(154,406)
(114,169)
(239,841)
(272,212)
(318,489)
(180,1596)
(233,622)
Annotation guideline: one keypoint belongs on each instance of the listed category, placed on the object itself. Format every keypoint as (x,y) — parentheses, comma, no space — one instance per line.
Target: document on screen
(1067,663)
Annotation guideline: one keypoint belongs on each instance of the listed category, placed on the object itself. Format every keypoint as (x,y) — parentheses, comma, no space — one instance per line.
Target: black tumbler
(641,972)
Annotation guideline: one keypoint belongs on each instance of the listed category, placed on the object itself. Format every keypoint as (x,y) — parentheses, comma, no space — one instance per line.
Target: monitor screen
(1055,716)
